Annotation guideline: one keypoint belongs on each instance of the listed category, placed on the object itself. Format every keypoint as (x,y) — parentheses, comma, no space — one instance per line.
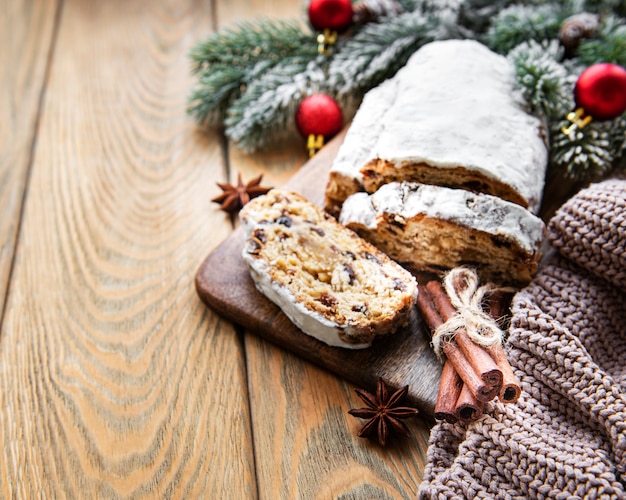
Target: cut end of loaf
(331,283)
(436,228)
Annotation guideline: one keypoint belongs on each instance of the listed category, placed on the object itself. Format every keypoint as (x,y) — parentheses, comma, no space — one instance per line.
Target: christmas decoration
(383,412)
(252,80)
(334,15)
(601,91)
(329,17)
(234,197)
(318,117)
(600,94)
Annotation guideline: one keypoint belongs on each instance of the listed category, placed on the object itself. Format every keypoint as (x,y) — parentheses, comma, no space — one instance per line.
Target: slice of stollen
(331,283)
(438,228)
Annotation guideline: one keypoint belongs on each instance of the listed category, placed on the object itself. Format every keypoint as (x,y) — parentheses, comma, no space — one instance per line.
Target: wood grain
(306,444)
(26,37)
(112,374)
(231,13)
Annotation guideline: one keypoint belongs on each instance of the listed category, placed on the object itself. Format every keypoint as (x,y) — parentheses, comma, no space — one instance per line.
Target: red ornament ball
(601,91)
(319,114)
(332,14)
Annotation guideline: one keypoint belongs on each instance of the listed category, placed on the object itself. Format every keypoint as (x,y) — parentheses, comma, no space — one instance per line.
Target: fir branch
(213,94)
(586,155)
(520,23)
(477,15)
(545,83)
(252,79)
(265,111)
(378,51)
(251,42)
(608,46)
(617,132)
(604,7)
(409,5)
(227,61)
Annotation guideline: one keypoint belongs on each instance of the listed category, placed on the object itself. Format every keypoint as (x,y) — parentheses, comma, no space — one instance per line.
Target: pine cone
(576,28)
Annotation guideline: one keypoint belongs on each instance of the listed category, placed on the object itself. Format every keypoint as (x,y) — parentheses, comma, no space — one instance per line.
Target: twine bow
(461,285)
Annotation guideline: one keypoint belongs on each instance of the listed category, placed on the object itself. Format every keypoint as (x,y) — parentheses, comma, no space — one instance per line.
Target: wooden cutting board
(405,358)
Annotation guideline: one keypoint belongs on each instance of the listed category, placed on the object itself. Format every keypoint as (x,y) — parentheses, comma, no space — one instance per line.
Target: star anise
(383,412)
(234,198)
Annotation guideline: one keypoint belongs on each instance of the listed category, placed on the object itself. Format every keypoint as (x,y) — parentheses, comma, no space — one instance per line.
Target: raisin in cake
(433,227)
(450,117)
(332,284)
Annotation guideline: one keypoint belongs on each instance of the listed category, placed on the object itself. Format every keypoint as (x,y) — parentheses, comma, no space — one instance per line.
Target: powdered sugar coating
(473,211)
(453,104)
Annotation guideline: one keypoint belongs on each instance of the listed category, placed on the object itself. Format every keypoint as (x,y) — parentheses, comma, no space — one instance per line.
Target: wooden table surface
(115,380)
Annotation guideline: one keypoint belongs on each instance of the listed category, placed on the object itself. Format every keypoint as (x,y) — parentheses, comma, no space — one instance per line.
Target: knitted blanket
(566,436)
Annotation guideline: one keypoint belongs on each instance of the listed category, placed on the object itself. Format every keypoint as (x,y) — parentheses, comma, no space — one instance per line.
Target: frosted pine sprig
(521,23)
(228,61)
(378,51)
(586,153)
(264,113)
(545,83)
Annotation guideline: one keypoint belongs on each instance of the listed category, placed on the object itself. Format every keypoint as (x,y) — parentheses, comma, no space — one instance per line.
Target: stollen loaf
(451,116)
(435,228)
(328,281)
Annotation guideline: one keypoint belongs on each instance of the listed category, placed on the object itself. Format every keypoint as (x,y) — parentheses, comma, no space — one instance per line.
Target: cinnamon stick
(459,378)
(478,357)
(511,390)
(427,309)
(468,408)
(449,390)
(450,384)
(482,390)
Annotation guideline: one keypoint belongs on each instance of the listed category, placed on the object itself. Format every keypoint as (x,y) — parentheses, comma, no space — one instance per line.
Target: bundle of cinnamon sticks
(472,375)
